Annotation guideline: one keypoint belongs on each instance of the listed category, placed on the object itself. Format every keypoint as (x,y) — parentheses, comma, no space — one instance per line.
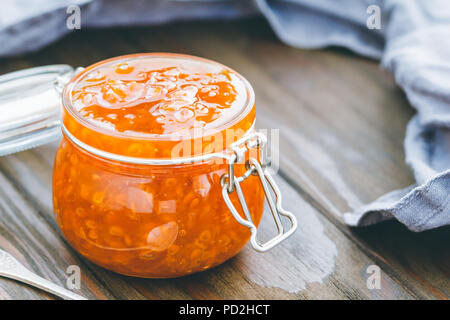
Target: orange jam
(144,105)
(153,220)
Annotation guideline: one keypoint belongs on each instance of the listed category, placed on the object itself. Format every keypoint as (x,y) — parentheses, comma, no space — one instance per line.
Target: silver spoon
(13,269)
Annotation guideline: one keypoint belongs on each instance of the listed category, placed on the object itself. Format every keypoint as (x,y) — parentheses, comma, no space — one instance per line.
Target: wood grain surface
(341,122)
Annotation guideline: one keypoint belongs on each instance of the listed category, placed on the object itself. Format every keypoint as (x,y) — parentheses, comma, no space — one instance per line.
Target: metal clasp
(231,183)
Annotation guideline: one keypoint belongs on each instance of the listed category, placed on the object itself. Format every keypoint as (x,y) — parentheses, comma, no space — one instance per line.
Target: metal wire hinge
(231,183)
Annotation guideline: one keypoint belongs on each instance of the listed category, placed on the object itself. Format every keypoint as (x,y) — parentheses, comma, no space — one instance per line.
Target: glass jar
(162,205)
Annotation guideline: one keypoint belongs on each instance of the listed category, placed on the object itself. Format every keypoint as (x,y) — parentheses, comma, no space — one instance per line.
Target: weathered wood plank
(369,160)
(317,263)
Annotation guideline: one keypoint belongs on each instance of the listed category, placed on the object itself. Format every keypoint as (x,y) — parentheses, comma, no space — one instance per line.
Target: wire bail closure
(231,183)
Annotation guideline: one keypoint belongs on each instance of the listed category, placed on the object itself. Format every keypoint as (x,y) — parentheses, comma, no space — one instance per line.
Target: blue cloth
(413,43)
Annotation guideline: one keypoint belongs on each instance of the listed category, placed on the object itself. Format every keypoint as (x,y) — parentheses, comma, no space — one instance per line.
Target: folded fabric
(412,46)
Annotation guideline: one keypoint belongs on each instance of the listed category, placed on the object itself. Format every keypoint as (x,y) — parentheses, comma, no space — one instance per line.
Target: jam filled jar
(160,172)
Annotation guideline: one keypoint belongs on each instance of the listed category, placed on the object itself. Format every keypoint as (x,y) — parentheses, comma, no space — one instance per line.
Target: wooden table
(341,121)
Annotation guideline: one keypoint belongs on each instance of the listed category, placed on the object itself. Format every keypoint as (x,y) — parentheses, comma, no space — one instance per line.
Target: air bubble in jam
(162,237)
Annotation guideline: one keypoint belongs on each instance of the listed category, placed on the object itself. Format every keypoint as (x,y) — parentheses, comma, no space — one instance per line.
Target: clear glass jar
(162,205)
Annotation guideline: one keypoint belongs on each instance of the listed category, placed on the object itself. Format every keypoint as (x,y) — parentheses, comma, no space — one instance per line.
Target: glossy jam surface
(143,106)
(152,220)
(166,96)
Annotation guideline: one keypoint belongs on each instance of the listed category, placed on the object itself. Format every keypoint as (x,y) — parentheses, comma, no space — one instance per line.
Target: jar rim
(224,155)
(243,111)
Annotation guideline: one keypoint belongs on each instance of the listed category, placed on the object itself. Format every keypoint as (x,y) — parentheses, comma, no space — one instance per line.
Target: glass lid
(30,107)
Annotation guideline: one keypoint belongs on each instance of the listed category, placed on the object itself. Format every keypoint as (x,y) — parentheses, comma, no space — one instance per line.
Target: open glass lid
(30,107)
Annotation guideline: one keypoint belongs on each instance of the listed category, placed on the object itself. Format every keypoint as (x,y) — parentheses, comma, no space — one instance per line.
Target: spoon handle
(13,269)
